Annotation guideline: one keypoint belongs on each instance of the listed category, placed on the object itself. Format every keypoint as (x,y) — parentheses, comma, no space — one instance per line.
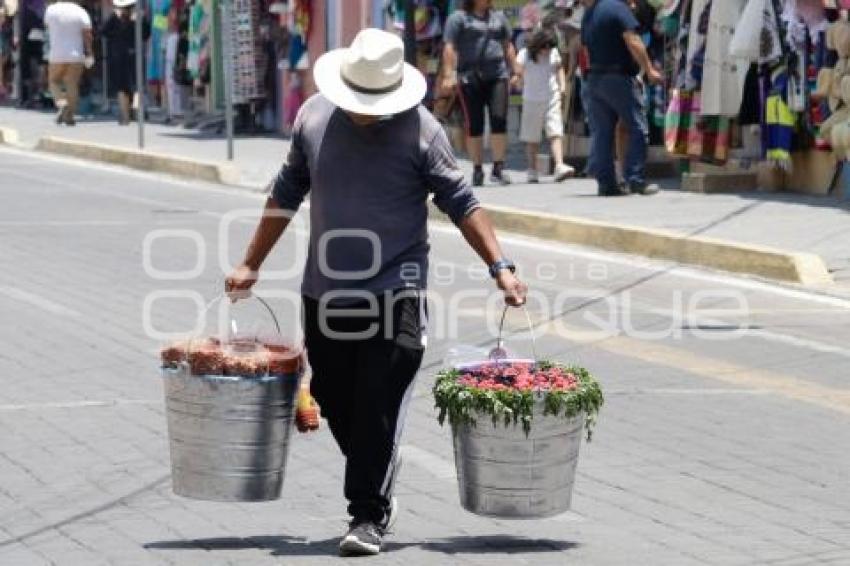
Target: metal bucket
(229,437)
(504,473)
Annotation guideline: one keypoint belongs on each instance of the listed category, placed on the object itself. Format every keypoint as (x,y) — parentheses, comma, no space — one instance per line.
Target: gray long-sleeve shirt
(368,188)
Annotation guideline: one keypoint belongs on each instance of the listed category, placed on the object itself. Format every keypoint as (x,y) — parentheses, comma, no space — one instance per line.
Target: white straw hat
(123,3)
(370,77)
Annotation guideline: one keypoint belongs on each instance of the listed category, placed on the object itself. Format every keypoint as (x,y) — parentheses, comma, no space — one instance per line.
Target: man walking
(70,36)
(613,92)
(369,154)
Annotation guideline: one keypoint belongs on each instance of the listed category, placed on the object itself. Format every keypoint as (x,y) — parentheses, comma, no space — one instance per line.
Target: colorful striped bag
(689,134)
(709,140)
(679,121)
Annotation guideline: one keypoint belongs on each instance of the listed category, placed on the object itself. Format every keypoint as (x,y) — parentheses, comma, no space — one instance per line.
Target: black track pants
(363,385)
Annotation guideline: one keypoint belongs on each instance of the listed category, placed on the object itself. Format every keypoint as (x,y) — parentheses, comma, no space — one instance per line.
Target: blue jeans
(609,98)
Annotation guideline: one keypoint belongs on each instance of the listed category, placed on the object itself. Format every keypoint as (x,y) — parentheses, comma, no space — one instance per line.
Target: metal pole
(227,69)
(104,57)
(410,32)
(17,78)
(140,84)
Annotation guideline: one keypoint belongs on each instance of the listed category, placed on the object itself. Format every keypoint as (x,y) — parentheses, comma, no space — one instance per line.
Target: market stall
(756,95)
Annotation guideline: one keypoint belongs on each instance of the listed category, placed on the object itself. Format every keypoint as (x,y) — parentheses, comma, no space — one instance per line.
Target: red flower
(518,376)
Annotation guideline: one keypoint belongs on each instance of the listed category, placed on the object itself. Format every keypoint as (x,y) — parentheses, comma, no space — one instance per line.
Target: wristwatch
(501,264)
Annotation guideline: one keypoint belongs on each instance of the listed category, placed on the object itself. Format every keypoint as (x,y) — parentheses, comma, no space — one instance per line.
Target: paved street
(723,440)
(812,224)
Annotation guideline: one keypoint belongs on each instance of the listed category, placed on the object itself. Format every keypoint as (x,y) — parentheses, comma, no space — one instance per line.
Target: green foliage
(461,403)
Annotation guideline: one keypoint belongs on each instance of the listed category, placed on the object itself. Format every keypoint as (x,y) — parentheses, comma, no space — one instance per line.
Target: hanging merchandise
(797,98)
(690,133)
(426,19)
(756,37)
(297,52)
(682,45)
(810,12)
(697,33)
(247,56)
(723,75)
(159,29)
(837,83)
(709,139)
(294,99)
(197,38)
(779,121)
(682,113)
(301,22)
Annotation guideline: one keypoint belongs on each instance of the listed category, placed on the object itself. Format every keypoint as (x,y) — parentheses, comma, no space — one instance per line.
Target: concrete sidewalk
(779,236)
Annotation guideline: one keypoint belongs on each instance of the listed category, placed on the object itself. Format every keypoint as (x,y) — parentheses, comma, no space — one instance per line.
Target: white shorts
(540,115)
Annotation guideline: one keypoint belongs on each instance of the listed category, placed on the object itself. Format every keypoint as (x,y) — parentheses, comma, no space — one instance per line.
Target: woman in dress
(120,33)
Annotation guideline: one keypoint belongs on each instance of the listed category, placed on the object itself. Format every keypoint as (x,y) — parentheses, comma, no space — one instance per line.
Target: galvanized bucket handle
(500,340)
(250,295)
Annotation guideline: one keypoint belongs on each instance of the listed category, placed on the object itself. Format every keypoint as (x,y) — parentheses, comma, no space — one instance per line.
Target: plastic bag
(245,343)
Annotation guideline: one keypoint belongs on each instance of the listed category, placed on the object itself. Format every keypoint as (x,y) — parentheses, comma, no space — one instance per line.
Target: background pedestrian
(69,28)
(479,60)
(120,33)
(614,92)
(543,88)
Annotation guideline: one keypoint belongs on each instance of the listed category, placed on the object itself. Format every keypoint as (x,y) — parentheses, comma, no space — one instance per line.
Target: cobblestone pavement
(723,440)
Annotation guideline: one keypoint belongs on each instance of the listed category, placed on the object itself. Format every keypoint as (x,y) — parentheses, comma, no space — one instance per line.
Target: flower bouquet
(516,429)
(511,391)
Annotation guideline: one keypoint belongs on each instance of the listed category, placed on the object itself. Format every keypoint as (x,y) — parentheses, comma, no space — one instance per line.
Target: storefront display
(756,81)
(765,62)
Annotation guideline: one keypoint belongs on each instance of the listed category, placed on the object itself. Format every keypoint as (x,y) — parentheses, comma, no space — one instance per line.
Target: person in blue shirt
(610,32)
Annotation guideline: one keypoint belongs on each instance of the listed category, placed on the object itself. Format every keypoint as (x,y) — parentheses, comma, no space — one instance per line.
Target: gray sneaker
(364,538)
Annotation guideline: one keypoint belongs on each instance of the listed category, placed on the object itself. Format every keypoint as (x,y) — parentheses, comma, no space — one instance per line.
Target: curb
(748,259)
(143,160)
(762,261)
(9,136)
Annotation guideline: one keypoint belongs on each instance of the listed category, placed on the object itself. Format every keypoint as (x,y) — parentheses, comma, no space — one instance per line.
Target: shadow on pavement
(300,546)
(498,544)
(278,545)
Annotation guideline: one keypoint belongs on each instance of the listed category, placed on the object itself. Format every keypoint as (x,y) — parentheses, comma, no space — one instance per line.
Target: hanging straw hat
(370,77)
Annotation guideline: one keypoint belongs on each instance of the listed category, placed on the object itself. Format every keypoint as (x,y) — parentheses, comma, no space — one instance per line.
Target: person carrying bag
(480,62)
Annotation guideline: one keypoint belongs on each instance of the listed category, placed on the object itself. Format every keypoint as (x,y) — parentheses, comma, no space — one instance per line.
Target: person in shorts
(544,84)
(70,31)
(478,62)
